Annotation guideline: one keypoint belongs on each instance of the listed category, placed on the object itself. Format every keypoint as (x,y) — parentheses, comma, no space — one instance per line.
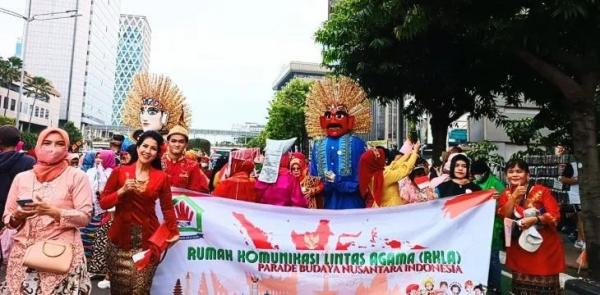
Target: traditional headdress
(336,93)
(158,91)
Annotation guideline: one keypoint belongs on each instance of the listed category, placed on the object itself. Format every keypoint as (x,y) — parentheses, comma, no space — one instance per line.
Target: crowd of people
(104,204)
(69,216)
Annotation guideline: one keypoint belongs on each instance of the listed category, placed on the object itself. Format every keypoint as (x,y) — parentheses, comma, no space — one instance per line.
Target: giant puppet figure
(337,108)
(155,103)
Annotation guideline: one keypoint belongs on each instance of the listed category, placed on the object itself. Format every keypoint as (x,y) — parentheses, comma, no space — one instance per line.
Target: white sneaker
(579,244)
(104,284)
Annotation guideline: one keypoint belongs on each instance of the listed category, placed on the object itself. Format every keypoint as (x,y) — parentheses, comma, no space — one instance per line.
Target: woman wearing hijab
(94,240)
(62,203)
(104,163)
(88,160)
(311,186)
(133,190)
(370,176)
(460,178)
(285,191)
(239,186)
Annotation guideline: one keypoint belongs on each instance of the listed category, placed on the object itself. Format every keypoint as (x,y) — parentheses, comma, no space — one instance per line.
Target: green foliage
(259,141)
(38,88)
(522,132)
(486,151)
(10,70)
(398,48)
(200,143)
(73,132)
(286,115)
(30,139)
(6,121)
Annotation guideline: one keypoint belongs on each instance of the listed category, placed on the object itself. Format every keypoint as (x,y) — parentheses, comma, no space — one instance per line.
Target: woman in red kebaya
(535,267)
(240,185)
(133,190)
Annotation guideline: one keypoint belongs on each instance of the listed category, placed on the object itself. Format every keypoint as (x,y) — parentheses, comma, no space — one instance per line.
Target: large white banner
(232,247)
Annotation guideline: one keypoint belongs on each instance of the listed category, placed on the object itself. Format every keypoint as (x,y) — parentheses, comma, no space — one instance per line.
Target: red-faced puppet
(337,121)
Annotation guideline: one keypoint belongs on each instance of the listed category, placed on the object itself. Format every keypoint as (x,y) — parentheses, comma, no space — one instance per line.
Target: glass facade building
(133,56)
(77,55)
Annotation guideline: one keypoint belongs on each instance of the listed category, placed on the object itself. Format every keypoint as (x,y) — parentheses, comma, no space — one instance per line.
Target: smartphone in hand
(23,202)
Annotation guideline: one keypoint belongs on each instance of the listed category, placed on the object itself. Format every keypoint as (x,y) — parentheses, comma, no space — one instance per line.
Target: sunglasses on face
(337,115)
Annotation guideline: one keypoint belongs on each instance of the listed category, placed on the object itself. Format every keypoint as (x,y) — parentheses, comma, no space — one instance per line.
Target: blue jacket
(341,156)
(11,164)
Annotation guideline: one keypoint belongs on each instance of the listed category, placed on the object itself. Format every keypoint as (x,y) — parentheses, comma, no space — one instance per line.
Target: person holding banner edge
(536,256)
(133,189)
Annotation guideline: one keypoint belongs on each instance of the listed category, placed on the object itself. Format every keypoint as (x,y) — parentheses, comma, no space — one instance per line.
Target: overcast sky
(224,55)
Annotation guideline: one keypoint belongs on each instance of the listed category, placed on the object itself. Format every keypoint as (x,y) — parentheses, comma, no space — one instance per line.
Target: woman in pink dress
(285,191)
(62,203)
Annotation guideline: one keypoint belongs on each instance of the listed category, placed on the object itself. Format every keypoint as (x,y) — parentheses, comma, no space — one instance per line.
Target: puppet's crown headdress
(158,91)
(337,93)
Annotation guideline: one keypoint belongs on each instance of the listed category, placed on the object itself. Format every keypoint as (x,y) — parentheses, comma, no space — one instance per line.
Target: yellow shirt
(393,173)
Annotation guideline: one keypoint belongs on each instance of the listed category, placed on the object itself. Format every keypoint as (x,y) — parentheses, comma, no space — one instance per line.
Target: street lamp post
(28,19)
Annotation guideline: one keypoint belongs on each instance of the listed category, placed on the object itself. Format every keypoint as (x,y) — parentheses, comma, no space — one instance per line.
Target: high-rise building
(101,62)
(77,55)
(300,70)
(133,56)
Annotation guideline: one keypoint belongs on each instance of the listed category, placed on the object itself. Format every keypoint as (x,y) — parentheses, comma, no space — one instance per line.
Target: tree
(10,71)
(73,132)
(550,57)
(38,88)
(286,114)
(200,143)
(6,121)
(487,152)
(30,139)
(393,51)
(259,141)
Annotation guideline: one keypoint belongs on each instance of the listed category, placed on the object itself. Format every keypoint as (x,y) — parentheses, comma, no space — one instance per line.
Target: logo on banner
(189,218)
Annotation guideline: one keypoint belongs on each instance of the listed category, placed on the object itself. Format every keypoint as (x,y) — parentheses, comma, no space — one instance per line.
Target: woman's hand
(172,240)
(518,193)
(21,214)
(527,222)
(44,208)
(130,185)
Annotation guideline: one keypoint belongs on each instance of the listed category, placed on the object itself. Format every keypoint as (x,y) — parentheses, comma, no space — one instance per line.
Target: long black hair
(156,163)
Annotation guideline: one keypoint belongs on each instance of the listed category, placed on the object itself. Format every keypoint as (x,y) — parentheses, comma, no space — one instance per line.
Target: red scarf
(370,168)
(50,165)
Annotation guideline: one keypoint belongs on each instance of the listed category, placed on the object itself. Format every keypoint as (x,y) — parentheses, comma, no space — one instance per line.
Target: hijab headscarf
(300,160)
(50,165)
(108,159)
(371,167)
(88,160)
(456,158)
(239,165)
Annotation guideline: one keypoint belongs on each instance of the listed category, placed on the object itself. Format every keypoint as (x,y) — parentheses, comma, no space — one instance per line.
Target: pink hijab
(108,159)
(50,165)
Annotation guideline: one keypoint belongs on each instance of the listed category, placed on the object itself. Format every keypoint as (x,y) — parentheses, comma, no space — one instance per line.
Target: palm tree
(10,71)
(38,88)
